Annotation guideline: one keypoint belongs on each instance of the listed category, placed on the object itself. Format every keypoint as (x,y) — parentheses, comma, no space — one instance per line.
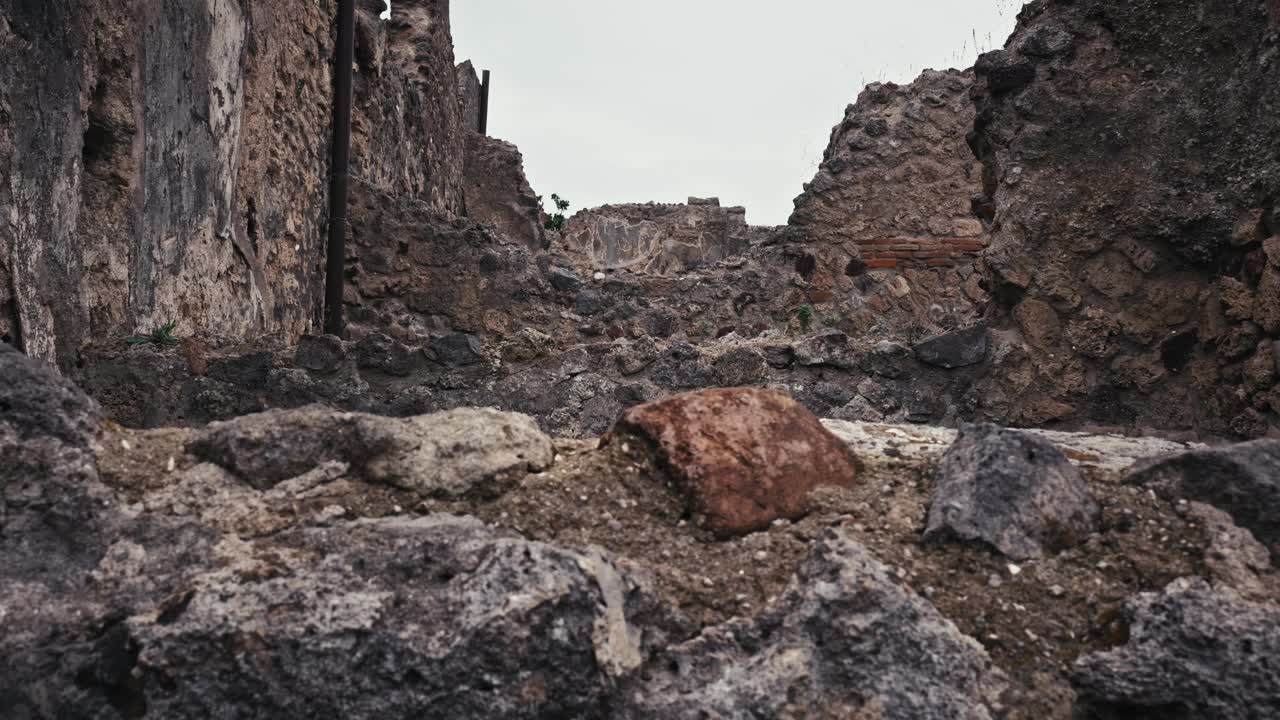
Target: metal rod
(484,104)
(336,252)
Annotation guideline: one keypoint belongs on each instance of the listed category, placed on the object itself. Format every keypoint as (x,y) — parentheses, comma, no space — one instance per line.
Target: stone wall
(498,193)
(1132,153)
(661,239)
(469,92)
(164,160)
(896,182)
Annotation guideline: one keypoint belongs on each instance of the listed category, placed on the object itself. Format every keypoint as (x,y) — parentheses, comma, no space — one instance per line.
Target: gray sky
(635,101)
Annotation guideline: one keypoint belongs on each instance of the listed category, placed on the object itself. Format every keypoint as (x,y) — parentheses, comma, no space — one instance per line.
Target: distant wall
(168,159)
(897,181)
(661,239)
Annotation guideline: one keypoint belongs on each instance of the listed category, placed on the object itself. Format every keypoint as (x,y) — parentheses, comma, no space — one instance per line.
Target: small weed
(804,316)
(162,335)
(557,219)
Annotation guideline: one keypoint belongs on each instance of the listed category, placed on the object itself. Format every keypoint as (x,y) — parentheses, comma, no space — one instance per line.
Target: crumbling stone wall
(896,182)
(661,239)
(1132,154)
(167,160)
(469,91)
(498,193)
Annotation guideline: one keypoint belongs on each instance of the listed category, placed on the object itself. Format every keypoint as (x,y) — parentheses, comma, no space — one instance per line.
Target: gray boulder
(1012,490)
(1242,480)
(463,452)
(52,507)
(844,640)
(1192,653)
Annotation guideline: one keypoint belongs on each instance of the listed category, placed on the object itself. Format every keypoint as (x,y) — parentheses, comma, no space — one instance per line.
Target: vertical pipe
(336,252)
(484,104)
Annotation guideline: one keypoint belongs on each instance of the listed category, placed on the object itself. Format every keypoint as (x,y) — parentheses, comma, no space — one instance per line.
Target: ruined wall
(661,239)
(469,91)
(896,182)
(1132,152)
(164,160)
(498,193)
(407,134)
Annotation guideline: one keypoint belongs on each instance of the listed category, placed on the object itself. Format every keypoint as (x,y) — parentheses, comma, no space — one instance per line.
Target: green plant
(804,316)
(556,220)
(162,335)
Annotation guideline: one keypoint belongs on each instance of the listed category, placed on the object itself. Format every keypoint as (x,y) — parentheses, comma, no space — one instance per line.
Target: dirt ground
(1034,618)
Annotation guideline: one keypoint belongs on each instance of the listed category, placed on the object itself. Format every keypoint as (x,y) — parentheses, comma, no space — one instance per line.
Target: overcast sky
(615,101)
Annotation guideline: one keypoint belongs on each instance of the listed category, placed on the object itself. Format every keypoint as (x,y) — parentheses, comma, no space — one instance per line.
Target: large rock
(462,452)
(53,510)
(1012,490)
(1192,653)
(1127,310)
(434,616)
(1243,480)
(741,457)
(843,641)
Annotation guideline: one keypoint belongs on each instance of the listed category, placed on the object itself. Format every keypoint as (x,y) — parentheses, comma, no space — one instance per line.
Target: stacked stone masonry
(169,161)
(896,183)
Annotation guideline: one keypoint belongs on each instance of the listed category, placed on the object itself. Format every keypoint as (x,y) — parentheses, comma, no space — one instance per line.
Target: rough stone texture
(1243,480)
(895,183)
(418,275)
(958,348)
(174,166)
(658,239)
(457,453)
(1132,311)
(844,641)
(742,457)
(498,193)
(50,500)
(1192,652)
(1012,490)
(469,91)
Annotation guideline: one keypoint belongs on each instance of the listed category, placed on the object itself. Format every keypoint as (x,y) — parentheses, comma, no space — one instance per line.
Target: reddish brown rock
(741,457)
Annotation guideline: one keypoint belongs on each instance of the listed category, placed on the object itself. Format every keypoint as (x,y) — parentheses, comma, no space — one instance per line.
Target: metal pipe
(484,104)
(339,187)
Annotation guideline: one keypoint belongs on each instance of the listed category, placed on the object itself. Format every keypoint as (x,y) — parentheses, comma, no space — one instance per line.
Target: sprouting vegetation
(162,335)
(804,316)
(556,220)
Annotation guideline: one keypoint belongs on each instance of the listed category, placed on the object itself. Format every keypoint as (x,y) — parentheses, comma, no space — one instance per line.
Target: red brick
(880,263)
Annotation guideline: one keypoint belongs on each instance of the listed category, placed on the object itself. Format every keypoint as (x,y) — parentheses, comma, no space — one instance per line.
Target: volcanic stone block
(1012,490)
(741,457)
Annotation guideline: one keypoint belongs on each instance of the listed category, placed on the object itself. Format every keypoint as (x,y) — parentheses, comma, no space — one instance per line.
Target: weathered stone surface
(658,239)
(958,348)
(1243,480)
(1011,490)
(1165,279)
(741,458)
(1192,652)
(451,454)
(469,91)
(498,193)
(51,504)
(152,179)
(844,640)
(321,353)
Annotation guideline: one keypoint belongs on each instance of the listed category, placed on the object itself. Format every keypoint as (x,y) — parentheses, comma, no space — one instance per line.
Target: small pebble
(1057,591)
